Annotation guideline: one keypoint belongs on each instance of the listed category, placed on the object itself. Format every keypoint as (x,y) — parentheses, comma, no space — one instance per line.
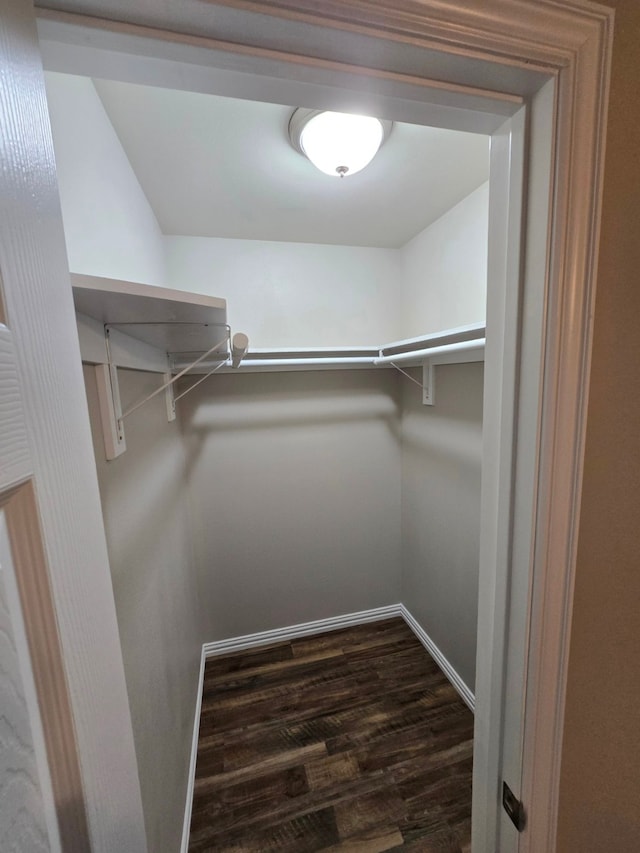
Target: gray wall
(279,498)
(441,468)
(143,495)
(294,495)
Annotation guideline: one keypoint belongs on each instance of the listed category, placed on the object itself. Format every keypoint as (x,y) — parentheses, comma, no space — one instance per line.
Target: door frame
(513,47)
(569,42)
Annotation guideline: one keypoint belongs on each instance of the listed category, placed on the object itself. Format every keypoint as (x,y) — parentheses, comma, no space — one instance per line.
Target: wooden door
(41,801)
(68,776)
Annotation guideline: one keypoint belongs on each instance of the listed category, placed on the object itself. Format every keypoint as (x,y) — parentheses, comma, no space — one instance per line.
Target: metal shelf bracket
(111,414)
(428,381)
(428,384)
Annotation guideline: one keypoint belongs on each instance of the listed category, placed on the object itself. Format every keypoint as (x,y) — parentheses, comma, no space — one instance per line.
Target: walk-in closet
(322,476)
(300,427)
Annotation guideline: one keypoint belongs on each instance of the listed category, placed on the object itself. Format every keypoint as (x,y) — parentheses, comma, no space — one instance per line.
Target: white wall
(281,294)
(293,294)
(294,495)
(444,269)
(441,470)
(302,294)
(144,504)
(110,228)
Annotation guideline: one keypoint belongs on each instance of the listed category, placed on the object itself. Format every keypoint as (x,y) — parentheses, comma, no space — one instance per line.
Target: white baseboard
(466,694)
(277,635)
(184,847)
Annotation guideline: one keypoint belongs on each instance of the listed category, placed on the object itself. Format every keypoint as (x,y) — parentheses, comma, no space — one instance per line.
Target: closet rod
(429,352)
(414,355)
(301,362)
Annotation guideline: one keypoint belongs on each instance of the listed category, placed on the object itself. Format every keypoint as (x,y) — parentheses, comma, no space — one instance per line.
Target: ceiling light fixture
(338,144)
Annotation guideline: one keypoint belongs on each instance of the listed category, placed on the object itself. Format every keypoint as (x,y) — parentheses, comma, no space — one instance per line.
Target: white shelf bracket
(428,383)
(111,414)
(170,380)
(169,397)
(109,403)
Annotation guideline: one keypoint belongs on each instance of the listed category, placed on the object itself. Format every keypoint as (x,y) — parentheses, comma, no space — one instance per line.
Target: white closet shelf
(140,326)
(175,332)
(461,344)
(168,320)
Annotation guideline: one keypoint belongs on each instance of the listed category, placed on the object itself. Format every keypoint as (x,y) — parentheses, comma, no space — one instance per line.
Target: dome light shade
(339,144)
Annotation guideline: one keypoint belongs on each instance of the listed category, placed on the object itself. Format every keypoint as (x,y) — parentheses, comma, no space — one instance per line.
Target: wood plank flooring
(350,741)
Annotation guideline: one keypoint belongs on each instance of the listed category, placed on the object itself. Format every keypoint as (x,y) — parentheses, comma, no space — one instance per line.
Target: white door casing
(499,436)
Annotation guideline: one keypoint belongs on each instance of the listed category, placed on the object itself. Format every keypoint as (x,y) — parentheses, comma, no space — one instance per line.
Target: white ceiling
(221,167)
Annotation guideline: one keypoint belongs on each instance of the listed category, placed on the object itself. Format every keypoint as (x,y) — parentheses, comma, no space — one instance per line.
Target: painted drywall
(282,294)
(110,228)
(441,472)
(197,158)
(600,782)
(293,294)
(302,294)
(444,269)
(294,495)
(158,602)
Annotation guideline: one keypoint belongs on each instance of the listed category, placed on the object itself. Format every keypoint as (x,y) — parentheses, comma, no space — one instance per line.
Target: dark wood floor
(347,741)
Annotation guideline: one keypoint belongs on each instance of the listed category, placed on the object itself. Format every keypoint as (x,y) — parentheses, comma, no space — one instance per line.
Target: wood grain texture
(23,823)
(15,464)
(47,665)
(351,740)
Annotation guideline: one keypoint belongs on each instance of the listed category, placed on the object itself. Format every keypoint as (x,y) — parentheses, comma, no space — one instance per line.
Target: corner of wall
(444,269)
(110,227)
